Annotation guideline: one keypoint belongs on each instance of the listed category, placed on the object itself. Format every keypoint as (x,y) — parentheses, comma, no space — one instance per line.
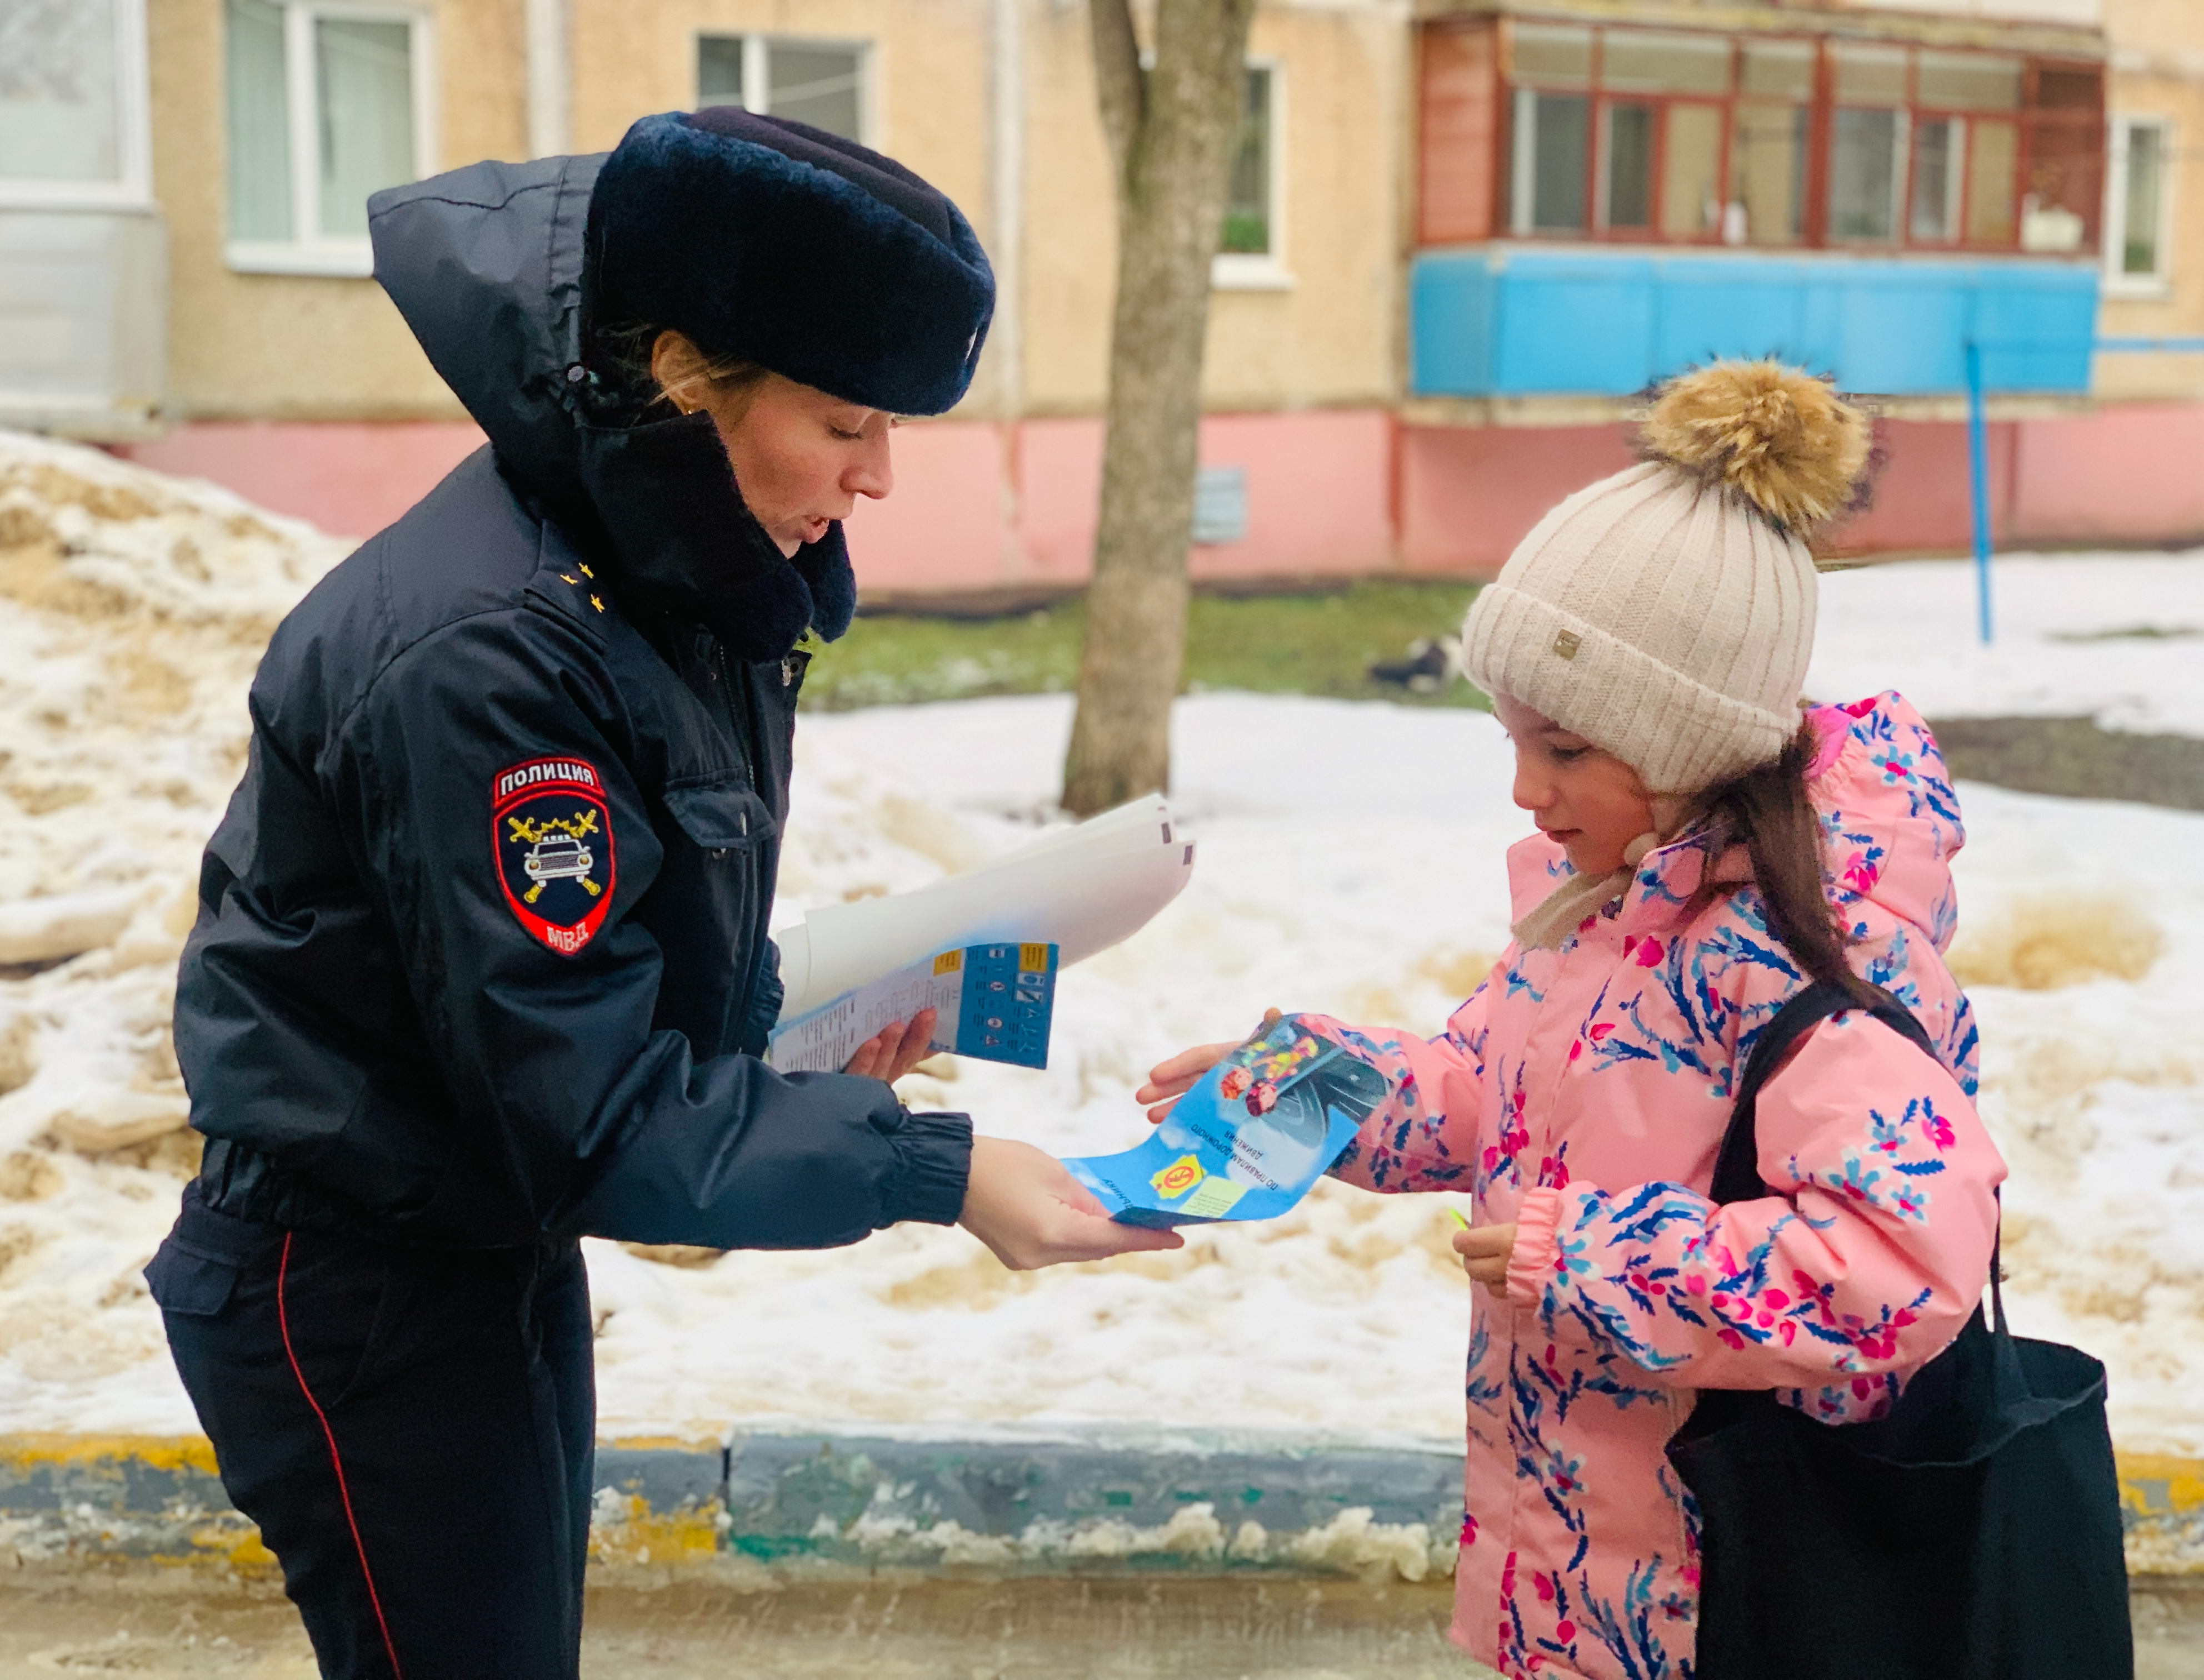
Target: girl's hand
(1170,1080)
(1031,1212)
(1485,1250)
(897,1049)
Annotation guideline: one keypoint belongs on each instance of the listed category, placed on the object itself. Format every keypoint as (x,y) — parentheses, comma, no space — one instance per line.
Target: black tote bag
(1973,1533)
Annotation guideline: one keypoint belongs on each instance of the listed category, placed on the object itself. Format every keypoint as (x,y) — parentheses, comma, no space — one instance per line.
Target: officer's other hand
(1031,1212)
(899,1047)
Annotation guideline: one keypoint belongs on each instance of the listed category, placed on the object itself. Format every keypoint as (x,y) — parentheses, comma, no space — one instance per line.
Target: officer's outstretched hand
(1021,1202)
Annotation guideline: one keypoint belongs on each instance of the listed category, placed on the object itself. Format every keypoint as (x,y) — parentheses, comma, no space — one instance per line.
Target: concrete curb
(153,1498)
(1193,1500)
(2162,1509)
(1091,1501)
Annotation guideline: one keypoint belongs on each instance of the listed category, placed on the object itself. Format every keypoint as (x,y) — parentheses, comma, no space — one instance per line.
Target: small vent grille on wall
(1220,504)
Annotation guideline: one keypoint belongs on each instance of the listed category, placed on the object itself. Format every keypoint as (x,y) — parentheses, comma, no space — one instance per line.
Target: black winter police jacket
(481,955)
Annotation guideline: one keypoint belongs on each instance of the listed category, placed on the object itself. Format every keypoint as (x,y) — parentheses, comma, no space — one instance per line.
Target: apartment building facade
(1461,233)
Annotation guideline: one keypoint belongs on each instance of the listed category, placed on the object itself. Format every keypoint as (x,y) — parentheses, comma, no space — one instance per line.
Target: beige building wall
(280,347)
(927,92)
(1070,244)
(2158,70)
(927,73)
(1331,337)
(285,346)
(294,347)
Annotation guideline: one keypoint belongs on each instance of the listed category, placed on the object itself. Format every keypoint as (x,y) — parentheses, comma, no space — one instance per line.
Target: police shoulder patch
(552,840)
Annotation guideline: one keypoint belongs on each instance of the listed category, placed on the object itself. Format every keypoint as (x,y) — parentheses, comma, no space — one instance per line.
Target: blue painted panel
(1578,326)
(2035,330)
(1451,325)
(1492,323)
(1711,308)
(1900,327)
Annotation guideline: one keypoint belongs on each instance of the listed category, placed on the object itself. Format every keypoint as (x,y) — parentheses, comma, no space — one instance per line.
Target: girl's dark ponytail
(1766,812)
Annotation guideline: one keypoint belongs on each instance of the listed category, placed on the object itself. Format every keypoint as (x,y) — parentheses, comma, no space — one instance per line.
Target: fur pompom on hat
(1665,613)
(783,245)
(1782,440)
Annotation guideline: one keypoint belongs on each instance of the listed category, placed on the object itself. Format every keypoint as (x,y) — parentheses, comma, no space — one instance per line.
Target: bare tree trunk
(1173,130)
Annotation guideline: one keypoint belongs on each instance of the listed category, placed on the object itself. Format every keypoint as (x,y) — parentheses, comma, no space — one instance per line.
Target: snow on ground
(2114,637)
(133,611)
(1350,863)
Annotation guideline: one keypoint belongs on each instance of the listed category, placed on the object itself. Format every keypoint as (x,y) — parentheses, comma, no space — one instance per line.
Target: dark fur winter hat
(786,246)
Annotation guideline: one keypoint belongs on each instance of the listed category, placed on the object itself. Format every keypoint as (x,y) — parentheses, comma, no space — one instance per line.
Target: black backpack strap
(1737,1168)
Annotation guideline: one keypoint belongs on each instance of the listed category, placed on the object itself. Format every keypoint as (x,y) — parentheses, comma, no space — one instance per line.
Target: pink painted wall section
(1059,479)
(978,506)
(1319,492)
(2133,473)
(1468,495)
(943,526)
(1318,486)
(1920,499)
(351,480)
(1319,499)
(2121,475)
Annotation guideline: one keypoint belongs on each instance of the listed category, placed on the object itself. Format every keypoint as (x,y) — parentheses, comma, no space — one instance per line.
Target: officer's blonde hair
(627,353)
(727,383)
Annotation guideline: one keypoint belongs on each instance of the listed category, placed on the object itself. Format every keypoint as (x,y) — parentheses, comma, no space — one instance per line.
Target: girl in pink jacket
(1708,848)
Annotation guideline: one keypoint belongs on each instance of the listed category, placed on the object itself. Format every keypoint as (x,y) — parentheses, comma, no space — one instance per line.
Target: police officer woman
(481,964)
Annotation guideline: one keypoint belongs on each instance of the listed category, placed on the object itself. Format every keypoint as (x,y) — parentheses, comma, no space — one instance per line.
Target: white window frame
(2117,282)
(307,252)
(132,189)
(757,72)
(1266,271)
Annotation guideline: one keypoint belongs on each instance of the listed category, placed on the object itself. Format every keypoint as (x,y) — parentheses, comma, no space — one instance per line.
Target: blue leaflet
(1249,1139)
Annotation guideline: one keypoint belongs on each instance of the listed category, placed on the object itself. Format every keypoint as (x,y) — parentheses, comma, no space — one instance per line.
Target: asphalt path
(153,1624)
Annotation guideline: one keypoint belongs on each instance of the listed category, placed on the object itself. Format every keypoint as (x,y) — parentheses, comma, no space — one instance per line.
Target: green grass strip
(1314,643)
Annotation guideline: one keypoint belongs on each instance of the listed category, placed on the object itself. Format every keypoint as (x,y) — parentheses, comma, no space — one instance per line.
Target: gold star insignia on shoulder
(586,573)
(596,603)
(568,578)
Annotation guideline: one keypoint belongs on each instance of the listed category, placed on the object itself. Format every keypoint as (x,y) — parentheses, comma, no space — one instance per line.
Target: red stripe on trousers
(344,1492)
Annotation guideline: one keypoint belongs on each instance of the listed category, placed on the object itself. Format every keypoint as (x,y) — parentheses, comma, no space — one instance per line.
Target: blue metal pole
(2189,342)
(1978,467)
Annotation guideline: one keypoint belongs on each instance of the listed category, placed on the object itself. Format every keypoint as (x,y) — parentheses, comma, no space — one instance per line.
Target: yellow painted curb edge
(159,1498)
(2162,1507)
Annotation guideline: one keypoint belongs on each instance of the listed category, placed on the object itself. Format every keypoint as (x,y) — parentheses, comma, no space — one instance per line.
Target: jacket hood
(1890,827)
(486,264)
(1890,820)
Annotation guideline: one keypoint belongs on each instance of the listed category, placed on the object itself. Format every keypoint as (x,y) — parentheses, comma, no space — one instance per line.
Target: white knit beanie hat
(1665,614)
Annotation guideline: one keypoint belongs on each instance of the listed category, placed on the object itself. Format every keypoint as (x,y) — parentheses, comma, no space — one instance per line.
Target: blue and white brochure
(1251,1136)
(994,1002)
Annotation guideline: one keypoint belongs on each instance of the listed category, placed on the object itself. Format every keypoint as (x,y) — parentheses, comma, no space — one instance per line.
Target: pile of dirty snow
(1350,862)
(132,610)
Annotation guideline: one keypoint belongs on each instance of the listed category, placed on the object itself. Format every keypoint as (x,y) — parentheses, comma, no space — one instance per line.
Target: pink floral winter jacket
(1583,1093)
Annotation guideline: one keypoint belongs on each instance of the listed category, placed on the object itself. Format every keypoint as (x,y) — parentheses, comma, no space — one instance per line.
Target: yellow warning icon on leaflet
(1181,1176)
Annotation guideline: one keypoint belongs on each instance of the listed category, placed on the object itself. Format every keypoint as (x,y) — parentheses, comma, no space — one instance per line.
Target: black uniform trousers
(412,1429)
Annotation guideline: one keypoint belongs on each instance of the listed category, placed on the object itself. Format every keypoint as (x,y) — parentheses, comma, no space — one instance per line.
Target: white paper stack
(1081,890)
